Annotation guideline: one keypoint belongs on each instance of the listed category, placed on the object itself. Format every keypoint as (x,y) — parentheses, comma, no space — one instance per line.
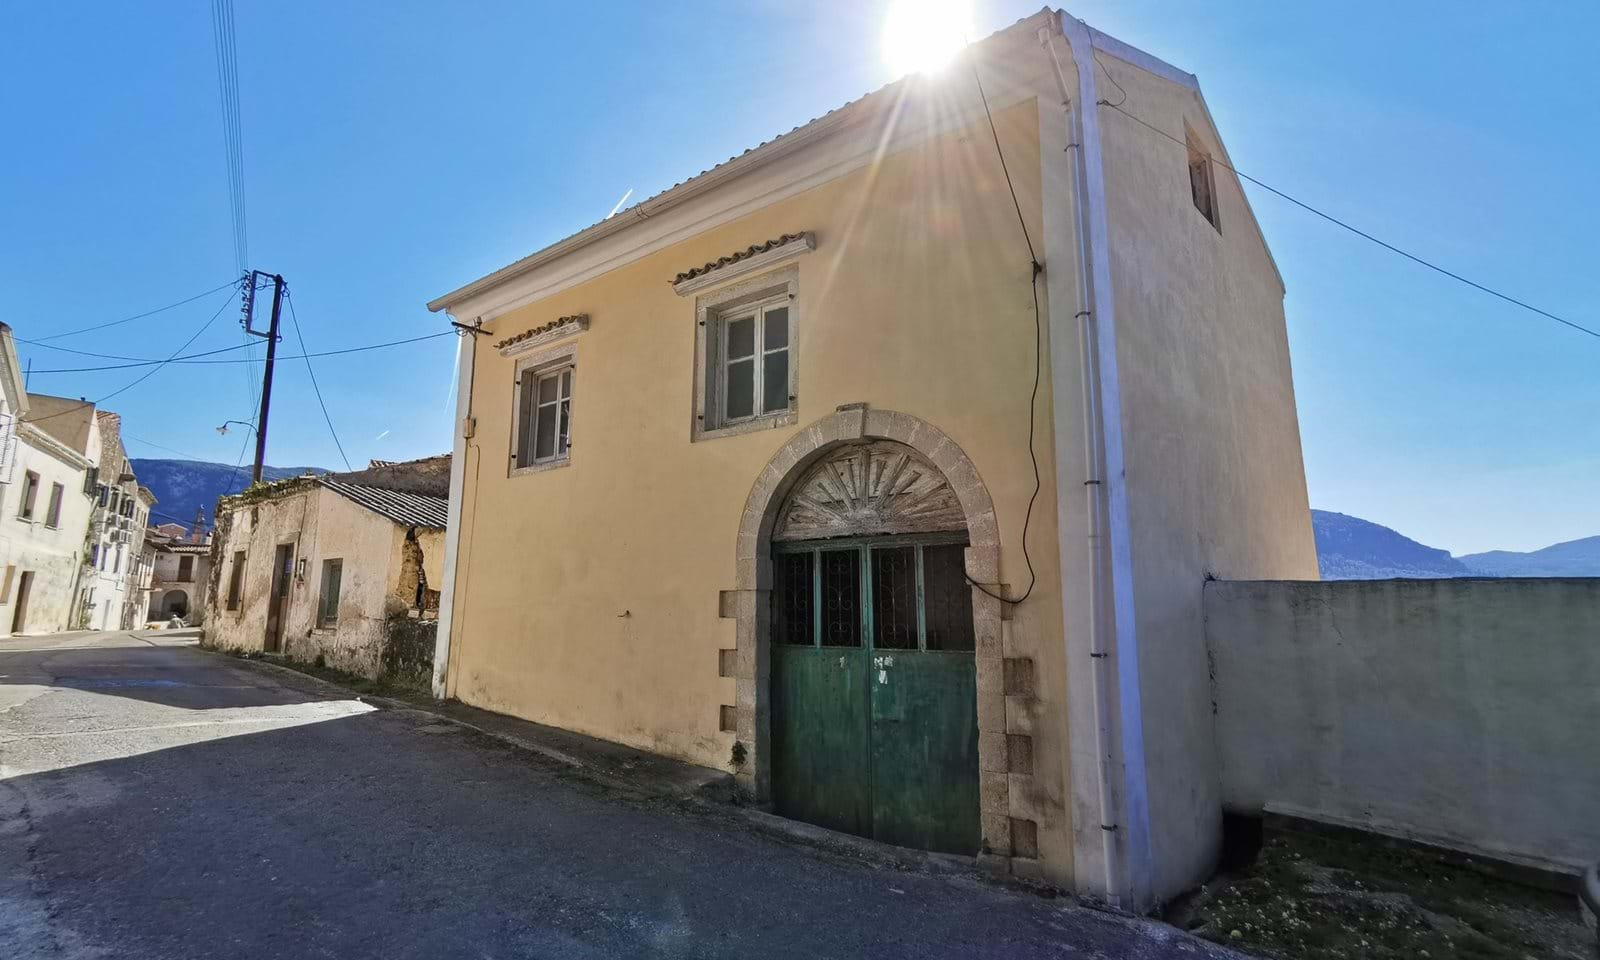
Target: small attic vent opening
(1202,181)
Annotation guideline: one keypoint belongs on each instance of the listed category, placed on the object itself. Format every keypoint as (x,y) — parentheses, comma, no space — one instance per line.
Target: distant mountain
(182,486)
(1575,558)
(1349,548)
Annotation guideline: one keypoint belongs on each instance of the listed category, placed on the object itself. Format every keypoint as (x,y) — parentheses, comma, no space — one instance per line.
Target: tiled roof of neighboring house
(410,509)
(176,547)
(541,328)
(744,254)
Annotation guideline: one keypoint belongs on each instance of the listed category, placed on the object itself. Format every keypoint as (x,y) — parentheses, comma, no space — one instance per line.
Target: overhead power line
(115,356)
(315,389)
(142,377)
(151,443)
(222,36)
(1364,234)
(197,358)
(137,316)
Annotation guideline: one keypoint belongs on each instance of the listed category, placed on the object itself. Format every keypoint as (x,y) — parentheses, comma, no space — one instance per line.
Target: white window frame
(714,312)
(551,362)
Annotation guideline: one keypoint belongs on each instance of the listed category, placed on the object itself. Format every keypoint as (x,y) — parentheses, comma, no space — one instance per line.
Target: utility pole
(271,336)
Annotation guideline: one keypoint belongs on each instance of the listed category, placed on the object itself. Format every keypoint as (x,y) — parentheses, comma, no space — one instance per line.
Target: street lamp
(223,427)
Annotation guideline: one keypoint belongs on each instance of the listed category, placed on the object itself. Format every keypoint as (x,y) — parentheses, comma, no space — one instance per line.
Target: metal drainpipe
(1094,496)
(466,368)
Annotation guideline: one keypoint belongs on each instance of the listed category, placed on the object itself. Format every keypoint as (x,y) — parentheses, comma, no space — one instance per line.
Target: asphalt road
(158,801)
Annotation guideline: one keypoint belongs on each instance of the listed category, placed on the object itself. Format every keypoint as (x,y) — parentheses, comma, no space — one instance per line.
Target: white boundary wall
(1464,713)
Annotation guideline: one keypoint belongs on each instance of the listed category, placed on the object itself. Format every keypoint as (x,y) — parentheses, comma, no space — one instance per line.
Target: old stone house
(339,567)
(180,577)
(883,465)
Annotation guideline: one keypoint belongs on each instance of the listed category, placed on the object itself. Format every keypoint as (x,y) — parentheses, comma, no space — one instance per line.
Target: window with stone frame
(235,579)
(30,491)
(328,604)
(543,427)
(746,356)
(52,513)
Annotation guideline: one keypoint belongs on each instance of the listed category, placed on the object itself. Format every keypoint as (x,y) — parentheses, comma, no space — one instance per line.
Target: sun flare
(920,36)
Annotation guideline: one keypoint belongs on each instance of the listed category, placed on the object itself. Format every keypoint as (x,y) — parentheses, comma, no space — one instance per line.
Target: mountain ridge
(1350,548)
(183,486)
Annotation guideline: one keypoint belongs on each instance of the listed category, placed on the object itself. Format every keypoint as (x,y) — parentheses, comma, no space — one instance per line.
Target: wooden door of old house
(873,682)
(278,597)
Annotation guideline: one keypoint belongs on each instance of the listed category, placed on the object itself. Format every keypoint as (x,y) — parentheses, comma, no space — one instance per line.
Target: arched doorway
(873,679)
(175,603)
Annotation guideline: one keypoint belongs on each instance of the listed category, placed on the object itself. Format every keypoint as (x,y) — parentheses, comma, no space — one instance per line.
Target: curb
(715,796)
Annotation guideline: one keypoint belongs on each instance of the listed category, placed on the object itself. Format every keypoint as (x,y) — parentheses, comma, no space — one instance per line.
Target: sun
(920,36)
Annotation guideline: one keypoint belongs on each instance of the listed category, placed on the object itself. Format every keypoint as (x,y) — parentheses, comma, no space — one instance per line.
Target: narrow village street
(157,800)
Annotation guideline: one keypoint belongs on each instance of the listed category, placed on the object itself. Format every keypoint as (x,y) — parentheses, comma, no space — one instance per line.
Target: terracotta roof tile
(744,254)
(542,328)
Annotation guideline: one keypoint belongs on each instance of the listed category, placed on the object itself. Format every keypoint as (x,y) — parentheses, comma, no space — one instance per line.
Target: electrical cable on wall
(1034,269)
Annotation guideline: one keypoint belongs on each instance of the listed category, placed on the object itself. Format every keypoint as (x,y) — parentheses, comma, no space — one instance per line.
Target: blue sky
(395,151)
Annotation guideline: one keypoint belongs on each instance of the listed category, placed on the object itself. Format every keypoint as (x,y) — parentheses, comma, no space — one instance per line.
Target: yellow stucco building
(883,464)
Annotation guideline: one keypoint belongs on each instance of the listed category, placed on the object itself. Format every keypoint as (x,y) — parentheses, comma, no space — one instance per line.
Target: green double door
(874,691)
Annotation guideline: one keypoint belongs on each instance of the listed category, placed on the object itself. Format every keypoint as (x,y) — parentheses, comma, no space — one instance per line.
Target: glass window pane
(777,329)
(544,434)
(894,598)
(775,381)
(741,389)
(841,598)
(547,390)
(741,337)
(561,434)
(947,598)
(525,419)
(566,384)
(791,599)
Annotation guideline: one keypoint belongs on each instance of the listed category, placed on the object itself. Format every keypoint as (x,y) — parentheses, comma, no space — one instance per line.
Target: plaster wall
(322,525)
(590,595)
(165,579)
(54,555)
(1457,712)
(1212,460)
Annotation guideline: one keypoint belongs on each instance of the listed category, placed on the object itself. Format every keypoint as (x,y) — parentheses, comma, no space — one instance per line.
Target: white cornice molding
(765,260)
(39,440)
(560,330)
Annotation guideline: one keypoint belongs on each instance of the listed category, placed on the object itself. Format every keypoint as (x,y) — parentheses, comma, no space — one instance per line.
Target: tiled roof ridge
(735,257)
(410,509)
(541,328)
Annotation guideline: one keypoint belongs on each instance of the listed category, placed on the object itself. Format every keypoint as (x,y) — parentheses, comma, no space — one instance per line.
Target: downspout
(1093,490)
(465,361)
(1113,665)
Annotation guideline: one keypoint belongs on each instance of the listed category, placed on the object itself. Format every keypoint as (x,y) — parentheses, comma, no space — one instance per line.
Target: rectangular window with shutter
(542,430)
(328,607)
(30,493)
(747,347)
(1202,181)
(52,514)
(235,579)
(753,368)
